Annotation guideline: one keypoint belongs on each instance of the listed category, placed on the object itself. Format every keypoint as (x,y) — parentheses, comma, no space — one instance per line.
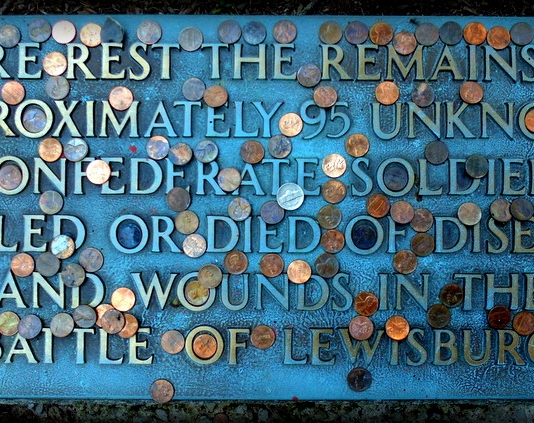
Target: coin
(239,209)
(112,31)
(76,150)
(10,177)
(120,98)
(330,32)
(397,328)
(476,166)
(190,38)
(334,165)
(39,30)
(334,191)
(361,328)
(73,275)
(521,33)
(423,94)
(204,346)
(366,303)
(157,147)
(13,92)
(47,264)
(186,222)
(271,265)
(499,317)
(522,209)
(62,325)
(50,202)
(254,32)
(404,43)
(438,316)
(90,34)
(30,326)
(523,323)
(450,33)
(469,213)
(284,32)
(364,235)
(427,34)
(229,179)
(381,33)
(98,172)
(402,212)
(131,326)
(451,295)
(178,199)
(395,177)
(34,119)
(63,32)
(100,310)
(229,32)
(329,217)
(332,241)
(123,299)
(356,32)
(57,87)
(436,152)
(290,124)
(172,341)
(357,145)
(272,213)
(377,205)
(422,220)
(193,89)
(309,75)
(299,271)
(279,146)
(326,265)
(235,262)
(210,276)
(498,37)
(262,337)
(112,321)
(387,93)
(405,262)
(206,151)
(359,379)
(149,32)
(422,244)
(161,391)
(194,245)
(215,96)
(475,33)
(55,63)
(129,234)
(290,196)
(84,316)
(180,154)
(62,246)
(500,210)
(471,92)
(252,152)
(91,259)
(9,323)
(22,264)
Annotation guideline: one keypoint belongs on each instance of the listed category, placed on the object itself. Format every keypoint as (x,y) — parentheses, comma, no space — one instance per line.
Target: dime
(329,217)
(229,179)
(62,246)
(272,213)
(356,32)
(98,172)
(359,379)
(215,96)
(161,391)
(55,63)
(499,317)
(91,259)
(377,205)
(423,94)
(290,124)
(112,321)
(522,209)
(366,303)
(123,299)
(422,220)
(90,34)
(112,31)
(210,276)
(271,265)
(239,209)
(436,152)
(229,32)
(523,323)
(120,98)
(131,326)
(206,151)
(190,39)
(47,264)
(178,199)
(521,33)
(451,295)
(62,325)
(196,294)
(290,196)
(63,32)
(299,271)
(194,245)
(50,150)
(186,222)
(438,316)
(204,346)
(381,33)
(469,213)
(100,310)
(76,150)
(334,165)
(326,265)
(387,93)
(450,33)
(9,323)
(193,89)
(252,152)
(73,275)
(279,146)
(57,87)
(402,212)
(13,92)
(149,32)
(39,30)
(22,264)
(498,37)
(34,119)
(309,75)
(30,326)
(423,244)
(180,154)
(500,210)
(476,166)
(10,177)
(475,33)
(397,328)
(235,262)
(427,34)
(404,43)
(332,241)
(361,328)
(84,316)
(284,32)
(405,262)
(357,145)
(471,92)
(172,341)
(262,337)
(254,32)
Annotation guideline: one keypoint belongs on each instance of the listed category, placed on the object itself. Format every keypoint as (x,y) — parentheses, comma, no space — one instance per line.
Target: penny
(422,244)
(112,321)
(235,262)
(330,32)
(22,264)
(422,220)
(279,146)
(500,210)
(364,235)
(98,172)
(149,32)
(178,199)
(157,147)
(381,33)
(523,323)
(471,92)
(112,31)
(451,295)
(366,303)
(186,222)
(334,165)
(50,150)
(9,323)
(91,259)
(272,213)
(271,265)
(84,316)
(100,310)
(90,34)
(356,32)
(206,151)
(438,316)
(402,212)
(76,150)
(290,124)
(404,43)
(73,275)
(475,33)
(62,325)
(55,63)
(63,32)
(423,94)
(476,166)
(387,93)
(39,30)
(190,39)
(252,152)
(194,245)
(210,276)
(34,119)
(215,96)
(13,92)
(357,145)
(262,337)
(254,32)
(499,317)
(47,264)
(129,234)
(50,202)
(10,177)
(161,391)
(284,32)
(204,346)
(239,209)
(123,299)
(290,196)
(361,328)
(332,241)
(522,209)
(57,87)
(9,36)
(180,154)
(193,89)
(377,205)
(450,33)
(334,191)
(529,120)
(326,265)
(395,177)
(229,179)
(62,246)
(427,34)
(436,152)
(299,271)
(120,98)
(30,326)
(309,75)
(397,328)
(172,341)
(131,326)
(329,217)
(405,262)
(359,379)
(325,96)
(229,32)
(521,33)
(469,213)
(498,37)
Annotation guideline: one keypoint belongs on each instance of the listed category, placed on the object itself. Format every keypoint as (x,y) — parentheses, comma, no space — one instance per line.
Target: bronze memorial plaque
(266,207)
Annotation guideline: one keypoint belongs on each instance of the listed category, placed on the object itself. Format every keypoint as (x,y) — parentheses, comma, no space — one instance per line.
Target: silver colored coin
(76,149)
(290,196)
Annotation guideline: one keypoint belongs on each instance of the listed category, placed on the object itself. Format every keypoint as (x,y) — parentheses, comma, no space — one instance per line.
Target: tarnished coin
(290,196)
(57,87)
(477,166)
(10,177)
(50,202)
(272,213)
(381,33)
(13,92)
(55,63)
(22,264)
(34,119)
(451,33)
(178,199)
(395,177)
(50,149)
(91,259)
(334,191)
(62,325)
(215,96)
(299,271)
(100,310)
(210,276)
(404,43)
(131,326)
(422,244)
(423,94)
(204,346)
(206,151)
(9,323)
(186,222)
(112,31)
(356,32)
(359,379)
(498,37)
(309,75)
(63,32)
(149,32)
(475,33)
(235,262)
(73,275)
(39,30)
(129,234)
(98,172)
(262,337)
(387,93)
(254,32)
(112,321)
(284,32)
(290,124)
(76,150)
(62,246)
(377,205)
(427,34)
(157,147)
(471,92)
(326,265)
(229,32)
(522,209)
(500,210)
(180,154)
(361,328)
(194,245)
(405,262)
(499,317)
(357,145)
(172,341)
(279,146)
(422,220)
(330,32)
(120,98)
(366,303)
(523,323)
(271,265)
(332,241)
(402,212)
(469,213)
(190,38)
(84,316)
(239,209)
(329,217)
(252,151)
(521,33)
(47,264)
(451,295)
(334,165)
(123,299)
(162,391)
(397,328)
(193,89)
(436,152)
(90,34)
(30,326)
(438,316)
(229,179)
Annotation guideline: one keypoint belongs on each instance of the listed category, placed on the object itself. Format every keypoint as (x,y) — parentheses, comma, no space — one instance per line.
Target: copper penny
(387,92)
(157,147)
(254,32)
(499,317)
(529,120)
(284,32)
(149,32)
(39,30)
(50,202)
(9,323)
(190,38)
(521,33)
(62,325)
(405,262)
(334,165)
(325,96)
(239,209)
(131,326)
(334,191)
(309,75)
(10,177)
(330,32)
(451,295)
(76,150)
(357,145)
(332,241)
(326,265)
(229,179)
(193,89)
(34,119)
(204,346)
(55,63)
(22,264)
(112,321)
(381,33)
(402,212)
(98,172)
(359,379)
(280,146)
(262,337)
(361,328)
(100,310)
(180,154)
(422,220)
(475,33)
(404,43)
(498,37)
(476,166)
(229,32)
(162,391)
(210,276)
(50,150)
(451,33)
(215,96)
(523,323)
(194,245)
(271,265)
(522,209)
(84,316)
(423,244)
(186,222)
(500,210)
(299,271)
(62,246)
(272,213)
(438,316)
(377,205)
(195,293)
(30,326)
(73,275)
(290,124)
(397,328)
(178,199)
(91,259)
(9,36)
(427,34)
(356,32)
(436,152)
(63,32)
(252,152)
(123,299)
(47,264)
(57,87)
(120,98)
(90,34)
(13,92)
(471,92)
(290,196)
(172,342)
(329,217)
(235,262)
(366,303)
(469,213)
(423,94)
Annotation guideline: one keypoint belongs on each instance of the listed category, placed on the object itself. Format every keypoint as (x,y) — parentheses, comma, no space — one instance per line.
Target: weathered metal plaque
(266,207)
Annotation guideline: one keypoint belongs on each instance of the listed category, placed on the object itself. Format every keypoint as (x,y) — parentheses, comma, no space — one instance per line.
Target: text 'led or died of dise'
(318,206)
